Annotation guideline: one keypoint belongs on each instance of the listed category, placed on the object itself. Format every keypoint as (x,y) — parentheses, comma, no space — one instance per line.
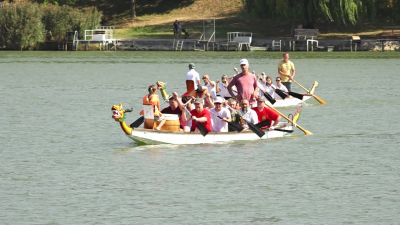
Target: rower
(266,115)
(220,116)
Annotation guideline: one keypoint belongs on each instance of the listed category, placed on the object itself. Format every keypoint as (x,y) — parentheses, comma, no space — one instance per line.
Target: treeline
(340,12)
(24,25)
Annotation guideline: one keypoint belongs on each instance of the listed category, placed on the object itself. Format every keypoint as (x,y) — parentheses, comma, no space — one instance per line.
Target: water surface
(65,161)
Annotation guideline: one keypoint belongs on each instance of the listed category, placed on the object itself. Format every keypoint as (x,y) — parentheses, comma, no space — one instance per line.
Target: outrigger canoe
(151,136)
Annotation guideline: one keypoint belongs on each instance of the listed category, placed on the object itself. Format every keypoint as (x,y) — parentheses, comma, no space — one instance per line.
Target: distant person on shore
(175,27)
(245,83)
(192,80)
(286,71)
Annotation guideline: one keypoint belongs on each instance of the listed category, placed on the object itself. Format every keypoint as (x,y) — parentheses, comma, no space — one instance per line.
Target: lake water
(64,160)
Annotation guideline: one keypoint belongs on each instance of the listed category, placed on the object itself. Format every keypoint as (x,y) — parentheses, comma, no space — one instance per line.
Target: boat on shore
(151,136)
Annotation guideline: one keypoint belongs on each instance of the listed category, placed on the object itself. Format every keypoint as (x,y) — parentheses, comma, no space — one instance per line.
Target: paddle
(252,127)
(306,132)
(284,95)
(266,95)
(319,99)
(269,98)
(234,126)
(137,122)
(267,123)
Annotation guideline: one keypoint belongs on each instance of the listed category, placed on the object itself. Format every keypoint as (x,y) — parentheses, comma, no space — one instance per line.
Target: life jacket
(154,101)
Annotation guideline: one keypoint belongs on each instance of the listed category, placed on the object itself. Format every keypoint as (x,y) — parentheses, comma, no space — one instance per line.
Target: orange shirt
(153,100)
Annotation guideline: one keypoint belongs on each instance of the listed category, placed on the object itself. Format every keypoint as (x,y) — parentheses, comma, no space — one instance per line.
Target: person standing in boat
(245,83)
(266,114)
(247,114)
(200,115)
(220,116)
(286,71)
(192,80)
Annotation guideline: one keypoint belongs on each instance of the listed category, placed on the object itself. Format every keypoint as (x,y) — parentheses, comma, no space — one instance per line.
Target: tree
(133,8)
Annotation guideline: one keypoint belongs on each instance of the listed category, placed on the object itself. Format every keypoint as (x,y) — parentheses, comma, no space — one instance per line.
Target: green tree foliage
(58,20)
(20,25)
(24,25)
(342,12)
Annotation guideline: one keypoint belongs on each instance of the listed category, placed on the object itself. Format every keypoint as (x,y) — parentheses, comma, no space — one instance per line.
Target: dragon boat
(295,99)
(171,134)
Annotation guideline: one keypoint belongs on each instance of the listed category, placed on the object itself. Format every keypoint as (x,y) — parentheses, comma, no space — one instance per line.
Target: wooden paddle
(319,99)
(306,132)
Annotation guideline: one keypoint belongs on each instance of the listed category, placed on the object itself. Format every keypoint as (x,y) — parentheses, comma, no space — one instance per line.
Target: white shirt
(212,90)
(250,116)
(270,89)
(194,76)
(217,124)
(223,90)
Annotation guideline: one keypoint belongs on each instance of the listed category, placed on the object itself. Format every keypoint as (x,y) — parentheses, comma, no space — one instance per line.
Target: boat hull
(289,102)
(148,136)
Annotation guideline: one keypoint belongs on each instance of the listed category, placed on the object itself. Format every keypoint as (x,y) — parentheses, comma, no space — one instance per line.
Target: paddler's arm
(163,90)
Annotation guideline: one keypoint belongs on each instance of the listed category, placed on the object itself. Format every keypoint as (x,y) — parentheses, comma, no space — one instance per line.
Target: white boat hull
(289,102)
(148,136)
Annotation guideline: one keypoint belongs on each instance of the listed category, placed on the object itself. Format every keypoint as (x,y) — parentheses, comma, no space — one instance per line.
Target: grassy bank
(230,16)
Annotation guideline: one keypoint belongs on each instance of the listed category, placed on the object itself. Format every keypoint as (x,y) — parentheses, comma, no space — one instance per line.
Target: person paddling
(200,115)
(220,116)
(266,114)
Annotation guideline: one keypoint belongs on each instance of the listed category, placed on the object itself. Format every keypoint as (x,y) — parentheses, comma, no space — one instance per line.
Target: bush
(58,20)
(25,25)
(20,26)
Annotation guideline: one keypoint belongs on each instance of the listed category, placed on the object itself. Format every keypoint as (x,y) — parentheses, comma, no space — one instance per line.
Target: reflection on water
(65,161)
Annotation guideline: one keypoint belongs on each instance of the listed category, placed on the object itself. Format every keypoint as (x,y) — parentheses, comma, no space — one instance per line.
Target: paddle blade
(269,98)
(281,93)
(255,129)
(203,130)
(296,95)
(137,122)
(235,126)
(319,99)
(283,130)
(263,123)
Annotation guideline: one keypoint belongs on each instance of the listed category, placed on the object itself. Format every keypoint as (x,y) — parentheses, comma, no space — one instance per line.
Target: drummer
(175,107)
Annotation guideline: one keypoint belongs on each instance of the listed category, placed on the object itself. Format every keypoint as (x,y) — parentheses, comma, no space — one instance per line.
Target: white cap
(219,99)
(244,61)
